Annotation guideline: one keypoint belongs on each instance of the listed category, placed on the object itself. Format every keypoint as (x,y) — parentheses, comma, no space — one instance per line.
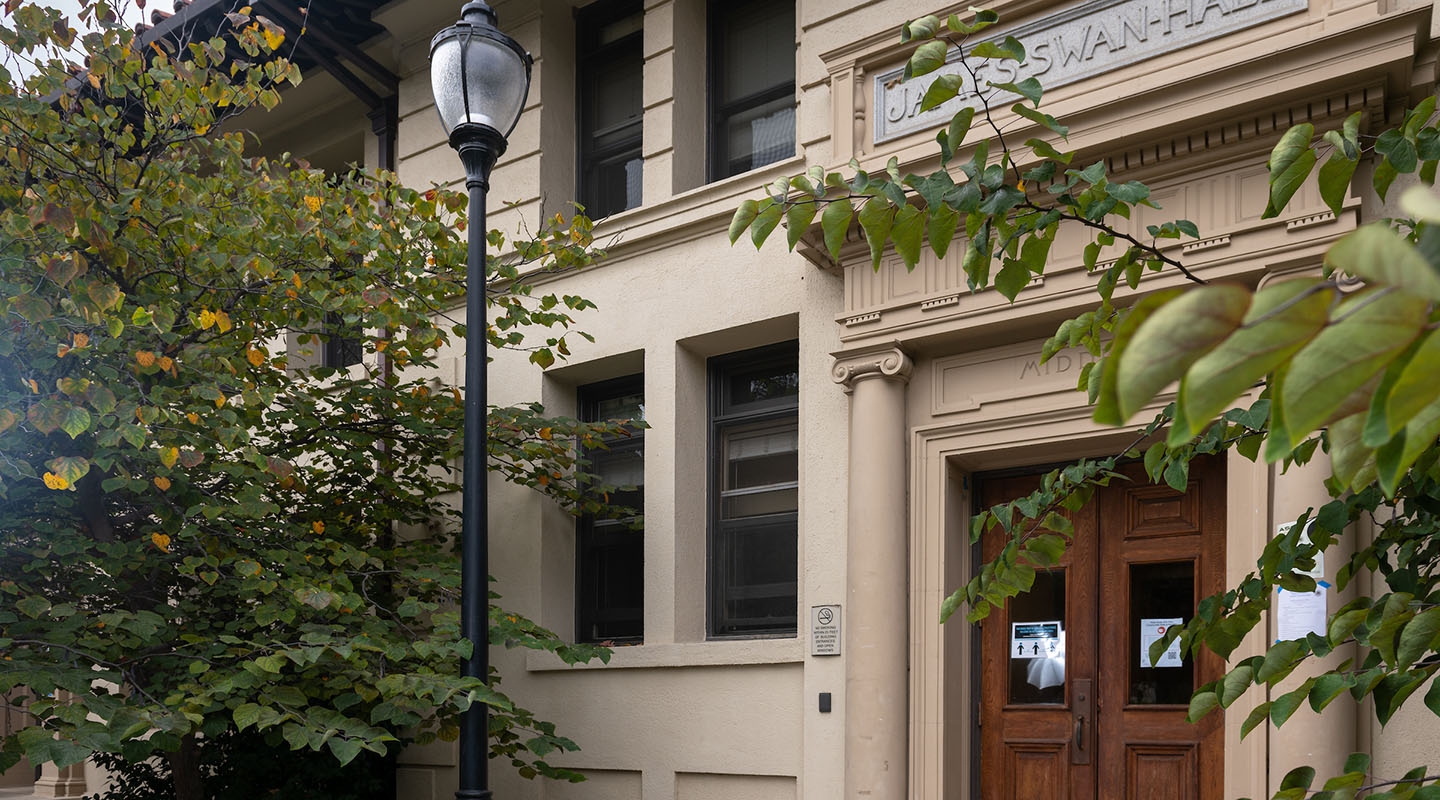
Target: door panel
(1108,724)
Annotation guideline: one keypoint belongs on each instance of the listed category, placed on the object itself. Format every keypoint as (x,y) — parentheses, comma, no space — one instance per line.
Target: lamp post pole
(480,78)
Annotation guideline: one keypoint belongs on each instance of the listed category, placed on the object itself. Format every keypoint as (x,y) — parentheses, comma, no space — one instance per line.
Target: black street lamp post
(480,78)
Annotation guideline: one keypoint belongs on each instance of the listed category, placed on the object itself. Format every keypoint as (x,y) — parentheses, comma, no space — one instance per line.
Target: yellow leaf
(312,202)
(220,401)
(207,319)
(317,526)
(222,320)
(193,417)
(81,340)
(169,455)
(274,38)
(546,434)
(94,80)
(255,357)
(161,542)
(61,350)
(145,358)
(54,481)
(162,482)
(167,363)
(34,387)
(201,130)
(295,279)
(381,344)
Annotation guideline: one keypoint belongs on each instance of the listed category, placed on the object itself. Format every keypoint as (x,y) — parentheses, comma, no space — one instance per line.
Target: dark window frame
(592,535)
(344,345)
(590,57)
(725,417)
(719,110)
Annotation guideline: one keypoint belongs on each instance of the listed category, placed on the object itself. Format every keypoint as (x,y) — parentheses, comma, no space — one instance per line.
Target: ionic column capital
(880,361)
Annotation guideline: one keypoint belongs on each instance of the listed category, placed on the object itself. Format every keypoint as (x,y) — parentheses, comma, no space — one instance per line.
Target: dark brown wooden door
(1071,706)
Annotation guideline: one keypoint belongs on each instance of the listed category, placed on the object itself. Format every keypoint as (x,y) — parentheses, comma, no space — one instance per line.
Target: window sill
(733,653)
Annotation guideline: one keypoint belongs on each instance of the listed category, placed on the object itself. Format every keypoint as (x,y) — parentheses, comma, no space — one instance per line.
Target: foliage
(1344,367)
(203,530)
(238,766)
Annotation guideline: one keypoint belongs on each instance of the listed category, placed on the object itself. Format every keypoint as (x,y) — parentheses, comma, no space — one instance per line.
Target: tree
(1349,372)
(205,534)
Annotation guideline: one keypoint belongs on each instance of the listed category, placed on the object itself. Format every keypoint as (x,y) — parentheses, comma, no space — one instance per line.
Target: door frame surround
(944,702)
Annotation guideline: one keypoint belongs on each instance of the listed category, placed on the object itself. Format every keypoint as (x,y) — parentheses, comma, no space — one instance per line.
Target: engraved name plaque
(1088,40)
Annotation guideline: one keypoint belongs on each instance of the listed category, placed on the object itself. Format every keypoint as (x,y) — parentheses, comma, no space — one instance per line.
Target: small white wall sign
(825,630)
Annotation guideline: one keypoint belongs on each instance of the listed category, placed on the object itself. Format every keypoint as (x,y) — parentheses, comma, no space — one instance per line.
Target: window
(610,553)
(752,84)
(610,62)
(344,345)
(755,468)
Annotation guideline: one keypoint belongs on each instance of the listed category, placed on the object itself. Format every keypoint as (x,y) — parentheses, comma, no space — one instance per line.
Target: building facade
(819,431)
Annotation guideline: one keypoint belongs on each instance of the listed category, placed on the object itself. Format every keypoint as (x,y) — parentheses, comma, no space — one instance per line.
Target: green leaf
(1415,387)
(835,223)
(941,230)
(1012,278)
(33,607)
(1328,687)
(1290,163)
(765,222)
(343,749)
(1367,331)
(1235,684)
(927,58)
(1418,638)
(1335,175)
(875,220)
(941,90)
(907,232)
(959,126)
(1281,319)
(1030,89)
(77,421)
(1039,117)
(1283,706)
(797,220)
(1201,703)
(744,215)
(1379,255)
(246,714)
(1173,337)
(1279,661)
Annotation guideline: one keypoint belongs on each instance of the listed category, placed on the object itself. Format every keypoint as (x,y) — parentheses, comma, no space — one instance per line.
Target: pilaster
(877,631)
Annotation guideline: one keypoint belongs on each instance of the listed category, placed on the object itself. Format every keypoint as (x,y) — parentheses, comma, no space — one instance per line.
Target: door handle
(1082,705)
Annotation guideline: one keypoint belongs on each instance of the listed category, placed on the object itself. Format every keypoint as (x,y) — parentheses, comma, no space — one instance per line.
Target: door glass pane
(1161,595)
(1037,641)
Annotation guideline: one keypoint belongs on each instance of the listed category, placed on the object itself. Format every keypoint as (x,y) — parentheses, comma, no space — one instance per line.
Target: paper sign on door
(1034,639)
(1151,631)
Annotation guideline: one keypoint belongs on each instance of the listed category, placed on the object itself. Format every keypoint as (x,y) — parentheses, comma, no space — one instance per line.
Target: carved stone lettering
(1088,40)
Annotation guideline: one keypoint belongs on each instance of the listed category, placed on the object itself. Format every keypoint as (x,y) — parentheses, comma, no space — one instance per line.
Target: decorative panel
(1160,772)
(1036,769)
(1155,511)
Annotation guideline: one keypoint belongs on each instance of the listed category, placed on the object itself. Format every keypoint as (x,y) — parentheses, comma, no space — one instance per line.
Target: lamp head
(479,76)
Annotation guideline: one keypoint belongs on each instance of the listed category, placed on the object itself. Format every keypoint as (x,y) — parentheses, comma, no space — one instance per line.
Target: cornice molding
(878,361)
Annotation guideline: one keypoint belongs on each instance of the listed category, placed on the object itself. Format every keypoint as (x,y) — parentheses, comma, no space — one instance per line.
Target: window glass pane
(1037,641)
(609,81)
(610,553)
(1161,595)
(619,466)
(759,504)
(759,49)
(761,566)
(627,405)
(761,135)
(761,385)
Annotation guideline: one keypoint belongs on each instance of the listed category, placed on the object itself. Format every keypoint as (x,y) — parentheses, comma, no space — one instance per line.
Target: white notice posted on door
(1151,631)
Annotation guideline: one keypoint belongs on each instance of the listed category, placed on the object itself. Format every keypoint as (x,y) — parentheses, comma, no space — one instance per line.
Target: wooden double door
(1071,704)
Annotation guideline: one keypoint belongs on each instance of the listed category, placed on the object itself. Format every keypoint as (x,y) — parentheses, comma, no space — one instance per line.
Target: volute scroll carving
(881,361)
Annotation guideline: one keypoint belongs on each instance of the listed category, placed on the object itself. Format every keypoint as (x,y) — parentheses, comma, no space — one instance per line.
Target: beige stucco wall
(680,717)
